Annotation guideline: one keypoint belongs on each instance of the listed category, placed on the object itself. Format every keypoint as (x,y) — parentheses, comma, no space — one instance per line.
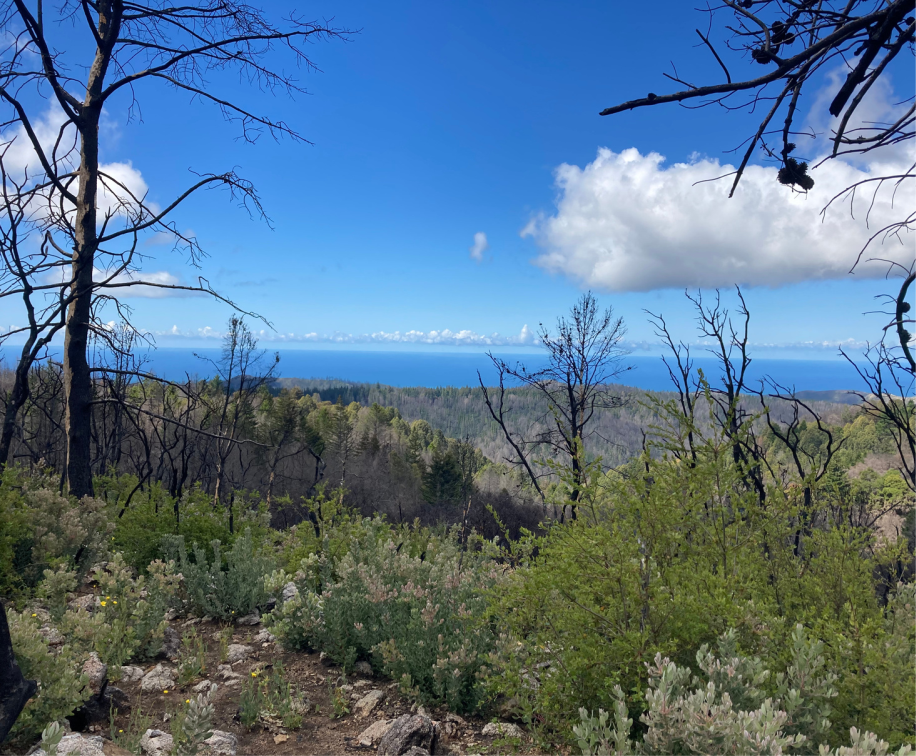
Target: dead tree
(95,221)
(790,44)
(15,690)
(583,357)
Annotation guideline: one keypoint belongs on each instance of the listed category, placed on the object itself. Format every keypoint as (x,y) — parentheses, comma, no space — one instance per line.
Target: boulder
(249,619)
(502,730)
(370,737)
(97,672)
(156,743)
(159,678)
(220,743)
(237,652)
(202,687)
(407,732)
(365,705)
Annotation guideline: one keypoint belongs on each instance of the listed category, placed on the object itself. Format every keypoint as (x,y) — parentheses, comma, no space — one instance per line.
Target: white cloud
(626,222)
(445,337)
(480,246)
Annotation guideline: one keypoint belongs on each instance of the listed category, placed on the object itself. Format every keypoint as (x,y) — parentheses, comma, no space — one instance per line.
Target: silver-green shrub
(727,710)
(228,586)
(414,616)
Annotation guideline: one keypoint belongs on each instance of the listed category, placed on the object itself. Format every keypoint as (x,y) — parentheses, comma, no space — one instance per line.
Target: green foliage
(141,532)
(192,660)
(129,619)
(129,736)
(41,529)
(670,554)
(268,699)
(62,687)
(194,724)
(228,586)
(727,710)
(51,737)
(409,603)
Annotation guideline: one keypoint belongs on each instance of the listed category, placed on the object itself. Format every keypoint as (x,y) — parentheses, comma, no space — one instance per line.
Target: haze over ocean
(436,369)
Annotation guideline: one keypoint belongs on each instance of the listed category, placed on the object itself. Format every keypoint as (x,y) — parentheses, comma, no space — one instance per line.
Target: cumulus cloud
(480,246)
(445,337)
(628,222)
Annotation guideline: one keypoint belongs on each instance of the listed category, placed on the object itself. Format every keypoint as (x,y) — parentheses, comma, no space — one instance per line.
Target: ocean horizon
(441,369)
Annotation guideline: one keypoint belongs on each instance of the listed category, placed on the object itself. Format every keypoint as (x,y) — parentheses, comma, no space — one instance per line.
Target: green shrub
(41,529)
(226,586)
(129,620)
(268,699)
(669,556)
(727,710)
(153,514)
(62,687)
(415,618)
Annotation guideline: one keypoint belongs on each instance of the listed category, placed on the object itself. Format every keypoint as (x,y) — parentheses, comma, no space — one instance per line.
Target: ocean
(439,369)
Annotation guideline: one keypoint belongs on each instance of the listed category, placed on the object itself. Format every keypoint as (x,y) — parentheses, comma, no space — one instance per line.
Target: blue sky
(439,121)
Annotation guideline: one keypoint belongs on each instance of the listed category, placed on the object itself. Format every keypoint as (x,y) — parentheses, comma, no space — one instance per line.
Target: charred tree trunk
(15,690)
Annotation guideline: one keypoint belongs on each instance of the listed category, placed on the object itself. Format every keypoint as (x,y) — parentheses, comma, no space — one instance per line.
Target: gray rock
(502,730)
(156,743)
(407,732)
(416,751)
(220,743)
(290,591)
(89,603)
(237,652)
(265,636)
(171,614)
(249,619)
(171,643)
(52,635)
(368,702)
(370,737)
(97,672)
(76,745)
(159,678)
(363,668)
(130,673)
(202,687)
(227,673)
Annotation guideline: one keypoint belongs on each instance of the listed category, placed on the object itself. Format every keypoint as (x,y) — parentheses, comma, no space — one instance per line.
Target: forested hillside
(461,413)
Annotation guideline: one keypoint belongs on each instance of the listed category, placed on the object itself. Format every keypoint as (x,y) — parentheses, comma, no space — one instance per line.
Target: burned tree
(91,221)
(583,357)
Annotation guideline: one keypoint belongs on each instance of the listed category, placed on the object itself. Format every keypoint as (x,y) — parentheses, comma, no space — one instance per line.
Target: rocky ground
(357,713)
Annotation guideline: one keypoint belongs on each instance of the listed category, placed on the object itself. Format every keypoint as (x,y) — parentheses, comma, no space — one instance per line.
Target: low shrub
(41,529)
(268,699)
(414,617)
(153,514)
(129,619)
(62,687)
(226,586)
(727,709)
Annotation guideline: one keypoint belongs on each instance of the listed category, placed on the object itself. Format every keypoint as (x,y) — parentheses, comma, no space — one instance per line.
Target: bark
(15,690)
(77,377)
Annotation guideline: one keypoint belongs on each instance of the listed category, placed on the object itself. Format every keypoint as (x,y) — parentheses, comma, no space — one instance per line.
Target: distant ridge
(838,396)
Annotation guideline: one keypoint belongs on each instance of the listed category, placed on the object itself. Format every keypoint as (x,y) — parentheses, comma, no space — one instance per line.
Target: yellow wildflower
(104,603)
